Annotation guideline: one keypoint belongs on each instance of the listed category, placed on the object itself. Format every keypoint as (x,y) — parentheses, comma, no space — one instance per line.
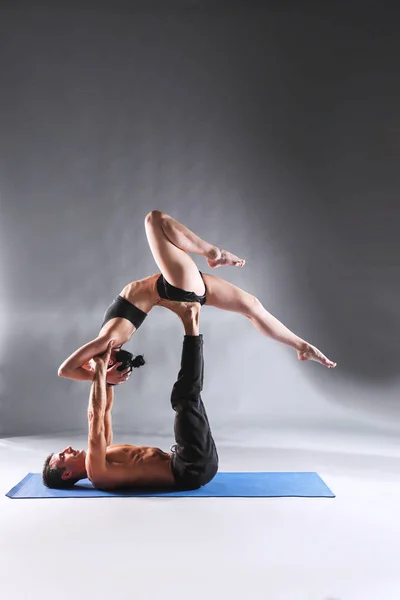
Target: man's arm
(108,432)
(96,464)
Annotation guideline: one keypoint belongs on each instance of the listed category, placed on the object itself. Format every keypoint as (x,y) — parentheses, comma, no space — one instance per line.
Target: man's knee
(188,400)
(186,391)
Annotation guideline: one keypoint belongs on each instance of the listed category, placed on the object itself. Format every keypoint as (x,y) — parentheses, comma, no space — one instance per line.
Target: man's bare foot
(223,258)
(186,311)
(312,353)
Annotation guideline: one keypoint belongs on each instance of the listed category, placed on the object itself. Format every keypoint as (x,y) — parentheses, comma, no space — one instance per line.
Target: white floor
(347,548)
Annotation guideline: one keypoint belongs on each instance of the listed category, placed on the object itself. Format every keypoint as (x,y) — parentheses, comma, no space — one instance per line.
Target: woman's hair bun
(138,361)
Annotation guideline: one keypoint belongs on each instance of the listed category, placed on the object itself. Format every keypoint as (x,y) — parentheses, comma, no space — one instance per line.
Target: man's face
(72,460)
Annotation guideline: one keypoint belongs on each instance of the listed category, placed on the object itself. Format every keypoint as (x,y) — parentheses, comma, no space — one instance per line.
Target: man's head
(63,469)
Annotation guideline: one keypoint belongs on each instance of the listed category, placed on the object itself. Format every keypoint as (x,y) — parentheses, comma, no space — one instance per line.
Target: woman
(170,243)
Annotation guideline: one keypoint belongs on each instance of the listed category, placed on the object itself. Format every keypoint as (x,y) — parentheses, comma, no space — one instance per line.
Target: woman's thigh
(175,264)
(226,296)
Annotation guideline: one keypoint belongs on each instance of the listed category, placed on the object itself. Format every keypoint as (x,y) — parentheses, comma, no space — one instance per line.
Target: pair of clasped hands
(104,364)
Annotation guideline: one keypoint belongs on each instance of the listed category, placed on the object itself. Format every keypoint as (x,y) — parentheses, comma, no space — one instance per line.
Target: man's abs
(139,466)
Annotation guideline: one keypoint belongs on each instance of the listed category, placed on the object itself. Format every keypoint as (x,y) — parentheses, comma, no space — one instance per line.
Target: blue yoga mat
(242,485)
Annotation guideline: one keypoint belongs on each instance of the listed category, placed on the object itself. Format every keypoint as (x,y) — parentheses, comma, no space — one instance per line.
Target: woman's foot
(312,353)
(223,258)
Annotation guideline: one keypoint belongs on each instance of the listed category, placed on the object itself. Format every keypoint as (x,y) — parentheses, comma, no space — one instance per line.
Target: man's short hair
(52,476)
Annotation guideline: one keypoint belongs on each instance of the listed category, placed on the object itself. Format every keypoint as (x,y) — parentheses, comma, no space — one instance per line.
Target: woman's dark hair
(128,360)
(138,361)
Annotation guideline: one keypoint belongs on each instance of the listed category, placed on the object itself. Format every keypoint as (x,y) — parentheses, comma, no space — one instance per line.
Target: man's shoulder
(109,477)
(96,466)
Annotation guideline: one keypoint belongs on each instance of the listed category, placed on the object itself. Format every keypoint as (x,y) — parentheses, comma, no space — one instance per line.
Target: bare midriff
(138,466)
(142,293)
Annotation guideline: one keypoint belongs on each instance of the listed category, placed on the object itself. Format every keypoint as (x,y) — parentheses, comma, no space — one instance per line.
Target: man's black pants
(195,459)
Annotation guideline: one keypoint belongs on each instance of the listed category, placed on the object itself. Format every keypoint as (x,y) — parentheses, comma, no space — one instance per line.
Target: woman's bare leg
(188,241)
(170,242)
(225,295)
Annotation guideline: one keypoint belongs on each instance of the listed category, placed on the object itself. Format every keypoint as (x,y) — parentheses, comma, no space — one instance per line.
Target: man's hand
(112,375)
(102,360)
(117,377)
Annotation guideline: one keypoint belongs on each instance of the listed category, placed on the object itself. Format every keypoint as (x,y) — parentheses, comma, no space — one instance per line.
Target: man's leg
(195,461)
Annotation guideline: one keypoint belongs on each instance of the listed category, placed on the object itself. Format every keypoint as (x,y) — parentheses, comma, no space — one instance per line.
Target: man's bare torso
(134,466)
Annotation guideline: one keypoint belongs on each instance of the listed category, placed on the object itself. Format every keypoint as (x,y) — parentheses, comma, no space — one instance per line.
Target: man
(194,459)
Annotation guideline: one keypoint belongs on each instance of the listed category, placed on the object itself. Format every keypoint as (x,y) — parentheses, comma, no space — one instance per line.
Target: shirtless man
(194,459)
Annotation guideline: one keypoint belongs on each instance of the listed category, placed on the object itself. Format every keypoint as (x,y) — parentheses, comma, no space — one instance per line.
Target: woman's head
(127,359)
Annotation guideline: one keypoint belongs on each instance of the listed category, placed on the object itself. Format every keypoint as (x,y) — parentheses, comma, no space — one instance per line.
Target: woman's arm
(77,366)
(73,366)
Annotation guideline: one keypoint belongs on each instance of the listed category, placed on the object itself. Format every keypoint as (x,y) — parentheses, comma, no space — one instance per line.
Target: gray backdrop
(270,128)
